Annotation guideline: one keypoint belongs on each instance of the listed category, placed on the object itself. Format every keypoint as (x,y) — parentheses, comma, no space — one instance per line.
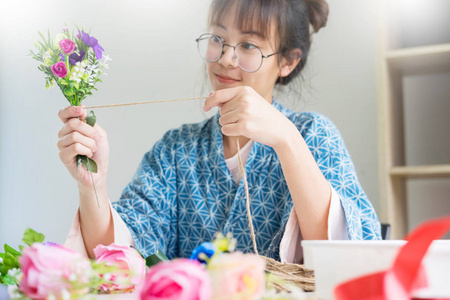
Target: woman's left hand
(245,113)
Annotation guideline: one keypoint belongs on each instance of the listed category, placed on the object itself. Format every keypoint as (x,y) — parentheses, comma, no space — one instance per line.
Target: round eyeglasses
(248,56)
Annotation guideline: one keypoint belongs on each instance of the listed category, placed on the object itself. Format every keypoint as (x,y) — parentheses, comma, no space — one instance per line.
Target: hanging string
(249,214)
(144,102)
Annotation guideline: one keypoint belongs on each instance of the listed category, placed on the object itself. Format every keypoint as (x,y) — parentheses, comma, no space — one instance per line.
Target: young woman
(302,182)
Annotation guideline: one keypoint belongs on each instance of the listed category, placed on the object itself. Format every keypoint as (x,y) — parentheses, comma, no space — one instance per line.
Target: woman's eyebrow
(221,26)
(251,32)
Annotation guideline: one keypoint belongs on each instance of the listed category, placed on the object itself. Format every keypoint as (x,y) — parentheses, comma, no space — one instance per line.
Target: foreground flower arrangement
(52,271)
(214,271)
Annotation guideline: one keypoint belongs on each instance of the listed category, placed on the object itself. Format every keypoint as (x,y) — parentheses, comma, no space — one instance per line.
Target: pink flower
(237,276)
(67,46)
(182,278)
(130,264)
(51,270)
(59,69)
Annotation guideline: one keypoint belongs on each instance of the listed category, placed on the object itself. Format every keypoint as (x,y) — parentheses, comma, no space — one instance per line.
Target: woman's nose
(229,58)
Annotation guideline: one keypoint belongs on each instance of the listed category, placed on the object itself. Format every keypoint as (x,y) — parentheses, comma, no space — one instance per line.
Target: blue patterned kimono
(183,192)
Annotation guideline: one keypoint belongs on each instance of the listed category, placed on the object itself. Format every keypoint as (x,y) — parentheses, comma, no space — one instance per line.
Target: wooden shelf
(428,171)
(420,60)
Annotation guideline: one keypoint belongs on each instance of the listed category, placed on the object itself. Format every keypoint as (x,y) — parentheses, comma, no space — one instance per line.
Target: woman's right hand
(77,137)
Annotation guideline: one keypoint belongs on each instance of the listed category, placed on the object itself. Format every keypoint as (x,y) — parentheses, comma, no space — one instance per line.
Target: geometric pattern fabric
(182,193)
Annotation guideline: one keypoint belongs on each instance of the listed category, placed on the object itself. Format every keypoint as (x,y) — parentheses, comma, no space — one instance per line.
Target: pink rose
(182,278)
(67,46)
(130,264)
(59,69)
(51,270)
(237,276)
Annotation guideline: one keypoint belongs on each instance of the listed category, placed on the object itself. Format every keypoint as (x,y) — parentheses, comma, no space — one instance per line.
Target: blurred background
(152,44)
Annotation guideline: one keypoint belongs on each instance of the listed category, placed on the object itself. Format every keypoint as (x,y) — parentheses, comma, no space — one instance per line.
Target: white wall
(154,57)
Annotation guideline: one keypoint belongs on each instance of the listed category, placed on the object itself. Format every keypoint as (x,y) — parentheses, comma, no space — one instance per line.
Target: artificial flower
(67,46)
(130,265)
(92,42)
(203,252)
(176,279)
(60,36)
(49,270)
(59,69)
(237,276)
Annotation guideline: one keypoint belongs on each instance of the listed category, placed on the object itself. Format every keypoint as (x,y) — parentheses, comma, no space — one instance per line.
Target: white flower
(80,67)
(1,260)
(77,71)
(107,276)
(65,294)
(107,58)
(51,297)
(13,272)
(46,55)
(13,291)
(60,36)
(72,277)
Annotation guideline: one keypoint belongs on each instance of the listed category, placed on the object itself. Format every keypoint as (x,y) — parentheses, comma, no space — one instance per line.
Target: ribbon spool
(406,274)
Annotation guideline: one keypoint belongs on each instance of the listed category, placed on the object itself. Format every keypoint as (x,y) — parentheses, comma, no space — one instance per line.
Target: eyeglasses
(248,56)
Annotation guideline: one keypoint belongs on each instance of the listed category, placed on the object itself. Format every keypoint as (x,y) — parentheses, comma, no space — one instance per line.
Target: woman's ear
(289,62)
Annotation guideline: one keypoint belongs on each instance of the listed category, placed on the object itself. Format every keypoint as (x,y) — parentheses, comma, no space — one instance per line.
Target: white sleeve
(75,241)
(290,249)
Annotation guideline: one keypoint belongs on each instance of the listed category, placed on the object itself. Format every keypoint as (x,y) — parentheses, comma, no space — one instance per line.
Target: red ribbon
(406,274)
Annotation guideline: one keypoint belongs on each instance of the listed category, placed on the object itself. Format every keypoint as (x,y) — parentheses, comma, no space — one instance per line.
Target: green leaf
(68,92)
(11,251)
(92,165)
(155,258)
(88,163)
(8,280)
(79,161)
(30,236)
(91,118)
(11,261)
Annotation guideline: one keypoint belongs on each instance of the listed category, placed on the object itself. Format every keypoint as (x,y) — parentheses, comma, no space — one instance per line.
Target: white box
(336,261)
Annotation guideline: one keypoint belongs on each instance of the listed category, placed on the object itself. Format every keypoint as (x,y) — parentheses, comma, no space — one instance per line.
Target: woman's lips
(225,79)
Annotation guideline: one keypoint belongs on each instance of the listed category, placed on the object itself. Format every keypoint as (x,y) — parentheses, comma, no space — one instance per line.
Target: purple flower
(50,244)
(74,58)
(92,42)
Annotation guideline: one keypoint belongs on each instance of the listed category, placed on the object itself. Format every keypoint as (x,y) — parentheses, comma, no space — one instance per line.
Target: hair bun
(318,13)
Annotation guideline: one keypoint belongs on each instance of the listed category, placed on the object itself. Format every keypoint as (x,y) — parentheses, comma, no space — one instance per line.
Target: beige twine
(291,274)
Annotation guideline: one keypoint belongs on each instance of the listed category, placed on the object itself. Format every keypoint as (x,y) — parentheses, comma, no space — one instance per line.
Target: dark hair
(292,19)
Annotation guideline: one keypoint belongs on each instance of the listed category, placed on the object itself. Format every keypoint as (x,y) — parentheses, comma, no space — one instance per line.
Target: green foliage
(155,258)
(30,236)
(10,258)
(88,163)
(74,86)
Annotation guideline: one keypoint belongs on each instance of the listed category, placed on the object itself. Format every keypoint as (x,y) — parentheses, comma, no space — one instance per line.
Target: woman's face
(225,73)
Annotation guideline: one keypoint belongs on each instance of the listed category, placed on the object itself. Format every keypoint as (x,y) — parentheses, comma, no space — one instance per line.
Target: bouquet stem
(88,163)
(93,183)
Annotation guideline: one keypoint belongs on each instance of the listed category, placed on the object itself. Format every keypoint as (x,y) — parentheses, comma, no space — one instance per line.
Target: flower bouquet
(51,271)
(74,62)
(214,271)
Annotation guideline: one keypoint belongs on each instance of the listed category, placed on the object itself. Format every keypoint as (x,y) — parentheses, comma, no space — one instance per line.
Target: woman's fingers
(72,112)
(75,124)
(76,137)
(219,97)
(68,154)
